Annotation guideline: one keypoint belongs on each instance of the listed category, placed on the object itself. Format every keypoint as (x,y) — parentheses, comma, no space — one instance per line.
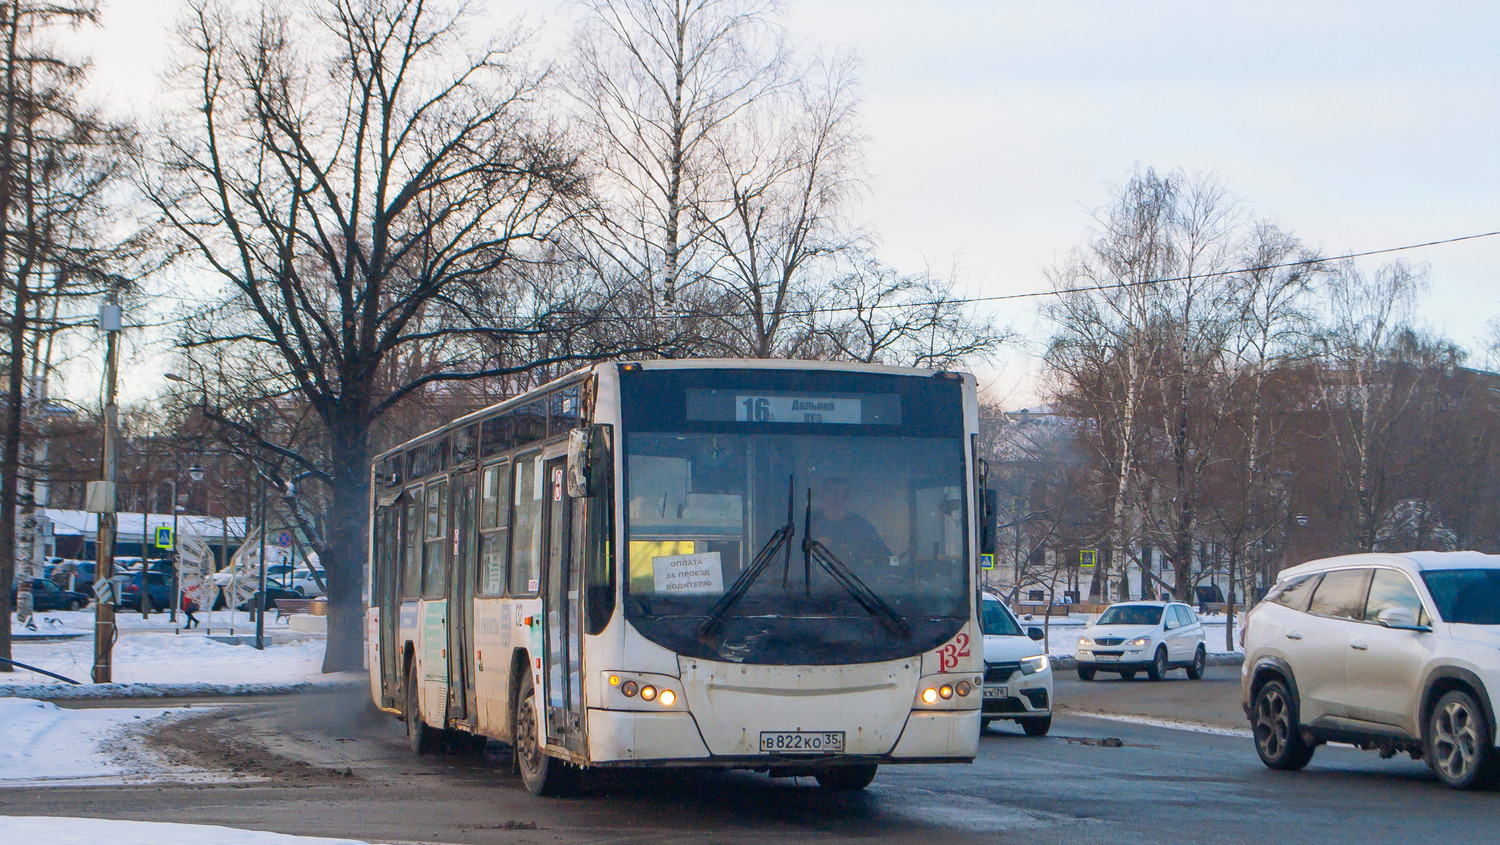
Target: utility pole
(260,597)
(110,321)
(176,557)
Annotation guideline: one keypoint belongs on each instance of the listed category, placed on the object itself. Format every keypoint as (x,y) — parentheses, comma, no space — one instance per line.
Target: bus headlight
(648,693)
(945,692)
(668,698)
(929,696)
(963,688)
(630,688)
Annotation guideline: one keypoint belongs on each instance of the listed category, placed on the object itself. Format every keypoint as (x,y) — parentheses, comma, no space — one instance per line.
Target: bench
(287,607)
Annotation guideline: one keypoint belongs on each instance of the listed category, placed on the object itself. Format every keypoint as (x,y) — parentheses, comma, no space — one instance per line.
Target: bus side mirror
(580,454)
(989,499)
(587,448)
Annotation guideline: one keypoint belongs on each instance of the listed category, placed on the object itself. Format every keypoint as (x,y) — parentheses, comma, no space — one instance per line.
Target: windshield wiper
(812,550)
(782,538)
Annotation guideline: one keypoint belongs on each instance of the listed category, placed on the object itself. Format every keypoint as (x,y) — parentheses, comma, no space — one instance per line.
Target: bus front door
(387,589)
(562,682)
(461,700)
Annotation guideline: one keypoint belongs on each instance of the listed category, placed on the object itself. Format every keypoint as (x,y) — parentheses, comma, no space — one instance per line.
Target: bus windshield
(848,489)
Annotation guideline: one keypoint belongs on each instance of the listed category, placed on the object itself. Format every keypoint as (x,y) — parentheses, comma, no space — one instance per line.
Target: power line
(1138,283)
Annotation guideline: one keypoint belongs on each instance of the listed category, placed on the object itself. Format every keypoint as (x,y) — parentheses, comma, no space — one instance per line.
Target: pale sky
(996,126)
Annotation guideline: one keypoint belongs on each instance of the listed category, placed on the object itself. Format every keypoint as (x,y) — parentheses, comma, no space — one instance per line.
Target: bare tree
(660,87)
(349,171)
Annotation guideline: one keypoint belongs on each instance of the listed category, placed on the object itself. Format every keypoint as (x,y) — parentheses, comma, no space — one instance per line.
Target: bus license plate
(997,692)
(802,742)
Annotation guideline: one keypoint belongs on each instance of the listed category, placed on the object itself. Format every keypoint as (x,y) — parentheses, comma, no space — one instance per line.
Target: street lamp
(1301,520)
(195,472)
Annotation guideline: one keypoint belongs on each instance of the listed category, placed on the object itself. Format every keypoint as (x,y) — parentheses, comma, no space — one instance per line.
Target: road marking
(1170,724)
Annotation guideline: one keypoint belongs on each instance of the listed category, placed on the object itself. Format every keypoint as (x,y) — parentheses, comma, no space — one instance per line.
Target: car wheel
(77,605)
(1459,749)
(1278,736)
(422,738)
(298,591)
(1036,726)
(542,775)
(1159,666)
(846,778)
(1128,675)
(1200,661)
(1085,673)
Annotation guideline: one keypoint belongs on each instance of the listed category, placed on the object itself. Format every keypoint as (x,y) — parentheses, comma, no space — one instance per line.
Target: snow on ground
(39,742)
(150,652)
(73,831)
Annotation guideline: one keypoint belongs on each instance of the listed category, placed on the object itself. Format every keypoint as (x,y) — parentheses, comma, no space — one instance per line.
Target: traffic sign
(1087,558)
(284,539)
(987,561)
(104,591)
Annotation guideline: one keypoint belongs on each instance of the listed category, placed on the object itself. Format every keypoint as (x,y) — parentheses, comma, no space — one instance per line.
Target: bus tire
(847,778)
(542,775)
(422,738)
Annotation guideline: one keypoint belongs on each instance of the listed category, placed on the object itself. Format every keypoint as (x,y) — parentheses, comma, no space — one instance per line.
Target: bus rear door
(560,588)
(462,704)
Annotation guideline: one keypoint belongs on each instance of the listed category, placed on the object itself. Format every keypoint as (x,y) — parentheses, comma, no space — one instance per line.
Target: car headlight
(1140,641)
(1083,640)
(1034,664)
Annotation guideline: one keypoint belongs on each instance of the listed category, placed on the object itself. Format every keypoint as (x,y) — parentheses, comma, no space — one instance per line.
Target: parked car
(1143,636)
(1017,673)
(46,595)
(161,591)
(1388,652)
(304,584)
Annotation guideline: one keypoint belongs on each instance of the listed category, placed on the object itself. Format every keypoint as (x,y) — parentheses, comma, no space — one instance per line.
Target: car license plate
(997,692)
(802,742)
(1106,657)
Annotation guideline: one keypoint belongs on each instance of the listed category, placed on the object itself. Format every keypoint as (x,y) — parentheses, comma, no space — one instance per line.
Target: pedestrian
(188,606)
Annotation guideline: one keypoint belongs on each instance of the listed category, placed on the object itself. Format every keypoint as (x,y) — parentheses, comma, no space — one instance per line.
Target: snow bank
(41,742)
(72,831)
(150,662)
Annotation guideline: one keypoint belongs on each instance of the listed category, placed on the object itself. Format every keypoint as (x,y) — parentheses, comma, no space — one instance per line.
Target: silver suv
(1389,652)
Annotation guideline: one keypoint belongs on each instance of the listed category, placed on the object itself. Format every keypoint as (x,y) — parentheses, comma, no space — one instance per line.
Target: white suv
(1143,636)
(1391,652)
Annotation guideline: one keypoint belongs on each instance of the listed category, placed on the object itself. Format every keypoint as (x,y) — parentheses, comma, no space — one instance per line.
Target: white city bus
(721,563)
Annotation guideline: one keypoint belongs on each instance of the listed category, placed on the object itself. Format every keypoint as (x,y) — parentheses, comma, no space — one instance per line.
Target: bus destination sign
(798,409)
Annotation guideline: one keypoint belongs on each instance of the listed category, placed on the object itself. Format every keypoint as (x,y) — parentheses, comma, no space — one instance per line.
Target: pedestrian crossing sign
(987,561)
(164,537)
(1087,558)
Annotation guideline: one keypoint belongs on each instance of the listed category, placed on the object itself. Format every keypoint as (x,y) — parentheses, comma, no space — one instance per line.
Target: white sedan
(1017,673)
(1152,637)
(304,584)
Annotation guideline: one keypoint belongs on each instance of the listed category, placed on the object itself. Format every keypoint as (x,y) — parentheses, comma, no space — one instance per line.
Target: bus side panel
(372,651)
(406,635)
(432,660)
(495,626)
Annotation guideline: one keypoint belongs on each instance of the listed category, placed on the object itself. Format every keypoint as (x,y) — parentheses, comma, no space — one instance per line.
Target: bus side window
(494,528)
(599,565)
(411,547)
(526,531)
(434,561)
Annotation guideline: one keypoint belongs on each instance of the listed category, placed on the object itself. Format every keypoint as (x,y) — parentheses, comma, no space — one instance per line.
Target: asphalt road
(1078,786)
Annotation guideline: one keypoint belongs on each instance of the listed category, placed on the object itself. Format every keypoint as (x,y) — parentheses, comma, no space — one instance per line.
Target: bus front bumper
(624,738)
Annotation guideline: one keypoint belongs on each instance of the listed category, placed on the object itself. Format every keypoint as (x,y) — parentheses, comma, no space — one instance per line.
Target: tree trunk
(343,553)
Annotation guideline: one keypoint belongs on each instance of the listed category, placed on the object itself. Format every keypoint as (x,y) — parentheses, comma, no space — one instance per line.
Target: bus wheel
(542,775)
(848,778)
(422,738)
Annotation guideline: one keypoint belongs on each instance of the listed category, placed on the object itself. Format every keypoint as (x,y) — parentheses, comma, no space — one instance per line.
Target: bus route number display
(798,409)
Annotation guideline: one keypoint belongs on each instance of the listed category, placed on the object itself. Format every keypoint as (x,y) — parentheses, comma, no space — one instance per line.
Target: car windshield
(996,621)
(848,487)
(1131,614)
(1466,596)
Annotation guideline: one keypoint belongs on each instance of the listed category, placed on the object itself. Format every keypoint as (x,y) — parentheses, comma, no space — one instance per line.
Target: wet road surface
(1078,786)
